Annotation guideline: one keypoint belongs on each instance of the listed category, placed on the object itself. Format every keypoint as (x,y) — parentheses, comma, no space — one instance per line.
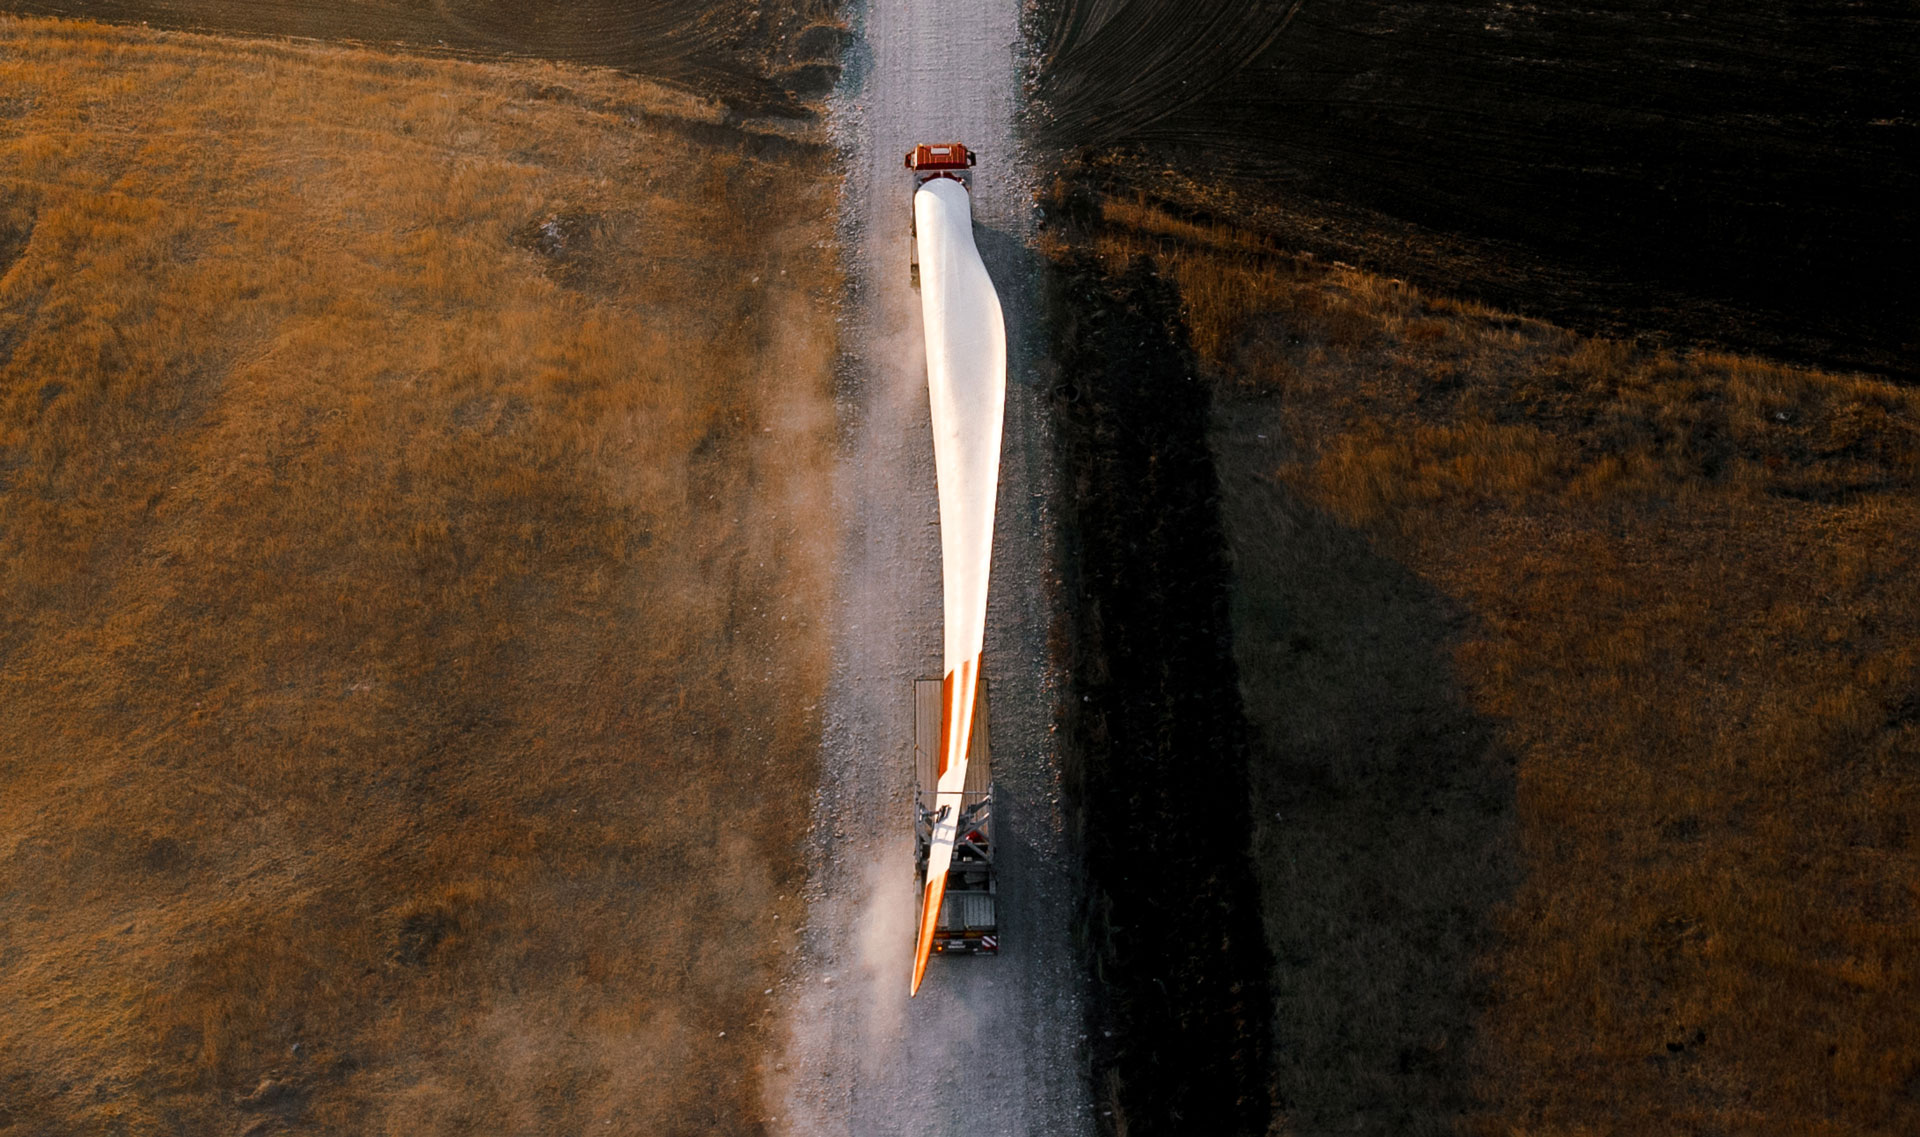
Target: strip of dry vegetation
(761,56)
(1589,684)
(409,509)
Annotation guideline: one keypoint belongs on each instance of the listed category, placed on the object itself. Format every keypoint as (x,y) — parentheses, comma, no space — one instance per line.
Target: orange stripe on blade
(959,693)
(929,920)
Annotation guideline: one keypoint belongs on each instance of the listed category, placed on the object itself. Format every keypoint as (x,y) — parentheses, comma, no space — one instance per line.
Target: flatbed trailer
(969,921)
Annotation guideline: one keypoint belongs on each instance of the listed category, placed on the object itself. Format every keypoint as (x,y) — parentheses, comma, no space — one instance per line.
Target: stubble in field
(410,499)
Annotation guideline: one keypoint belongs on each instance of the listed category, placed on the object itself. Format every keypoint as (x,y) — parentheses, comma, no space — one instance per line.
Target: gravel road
(992,1045)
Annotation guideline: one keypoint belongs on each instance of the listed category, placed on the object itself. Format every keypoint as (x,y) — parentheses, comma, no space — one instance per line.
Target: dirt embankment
(764,57)
(1585,685)
(1687,173)
(410,496)
(1157,748)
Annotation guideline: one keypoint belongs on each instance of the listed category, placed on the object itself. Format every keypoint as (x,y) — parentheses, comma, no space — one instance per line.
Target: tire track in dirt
(991,1045)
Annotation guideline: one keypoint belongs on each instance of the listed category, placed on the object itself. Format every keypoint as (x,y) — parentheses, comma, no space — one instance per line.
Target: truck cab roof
(931,156)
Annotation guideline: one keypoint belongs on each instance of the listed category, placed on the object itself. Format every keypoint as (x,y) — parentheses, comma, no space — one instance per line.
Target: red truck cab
(928,161)
(931,160)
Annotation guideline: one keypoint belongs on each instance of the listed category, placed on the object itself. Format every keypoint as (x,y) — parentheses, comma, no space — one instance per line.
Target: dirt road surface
(991,1045)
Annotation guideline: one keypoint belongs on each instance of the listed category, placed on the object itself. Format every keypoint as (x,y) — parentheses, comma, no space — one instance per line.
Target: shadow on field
(1157,755)
(1263,717)
(1673,587)
(1384,831)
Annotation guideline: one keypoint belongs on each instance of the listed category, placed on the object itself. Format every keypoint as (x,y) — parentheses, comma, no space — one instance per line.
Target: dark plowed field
(758,56)
(1740,175)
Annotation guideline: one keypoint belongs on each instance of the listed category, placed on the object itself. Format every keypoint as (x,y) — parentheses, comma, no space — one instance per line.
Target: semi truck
(928,161)
(966,340)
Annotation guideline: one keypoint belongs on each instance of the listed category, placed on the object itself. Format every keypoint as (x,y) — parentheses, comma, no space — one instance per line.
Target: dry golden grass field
(774,55)
(411,513)
(1588,681)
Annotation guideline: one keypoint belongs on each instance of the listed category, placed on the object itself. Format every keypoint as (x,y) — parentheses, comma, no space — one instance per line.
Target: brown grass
(1589,677)
(409,544)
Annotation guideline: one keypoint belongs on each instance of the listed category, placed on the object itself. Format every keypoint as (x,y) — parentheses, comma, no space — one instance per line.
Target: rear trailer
(969,920)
